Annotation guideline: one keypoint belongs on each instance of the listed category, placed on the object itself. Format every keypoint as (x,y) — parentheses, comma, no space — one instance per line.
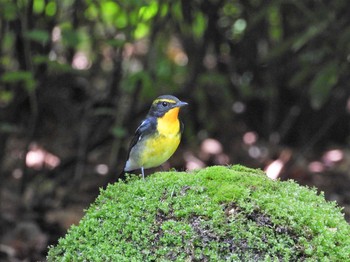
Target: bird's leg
(143,173)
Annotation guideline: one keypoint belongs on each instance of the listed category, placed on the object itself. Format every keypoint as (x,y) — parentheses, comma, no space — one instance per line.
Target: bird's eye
(165,104)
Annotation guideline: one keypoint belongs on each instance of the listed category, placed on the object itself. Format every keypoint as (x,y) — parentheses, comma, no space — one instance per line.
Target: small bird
(158,136)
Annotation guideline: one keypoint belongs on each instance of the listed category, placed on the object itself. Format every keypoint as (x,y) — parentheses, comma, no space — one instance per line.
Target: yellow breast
(162,145)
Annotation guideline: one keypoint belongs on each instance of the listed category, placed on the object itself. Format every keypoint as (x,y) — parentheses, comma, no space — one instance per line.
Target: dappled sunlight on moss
(218,213)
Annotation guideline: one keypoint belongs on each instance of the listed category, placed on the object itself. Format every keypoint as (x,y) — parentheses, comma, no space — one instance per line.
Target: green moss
(215,214)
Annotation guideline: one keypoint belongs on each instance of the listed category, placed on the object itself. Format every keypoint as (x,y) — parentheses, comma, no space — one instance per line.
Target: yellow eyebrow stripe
(164,100)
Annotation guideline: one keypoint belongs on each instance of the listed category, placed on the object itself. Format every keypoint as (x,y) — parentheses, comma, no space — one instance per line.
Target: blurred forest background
(267,83)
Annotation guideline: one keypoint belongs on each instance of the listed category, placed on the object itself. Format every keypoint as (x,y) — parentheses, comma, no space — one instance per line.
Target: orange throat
(169,124)
(171,115)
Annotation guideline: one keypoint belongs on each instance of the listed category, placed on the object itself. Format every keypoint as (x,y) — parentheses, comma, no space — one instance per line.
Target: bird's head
(166,104)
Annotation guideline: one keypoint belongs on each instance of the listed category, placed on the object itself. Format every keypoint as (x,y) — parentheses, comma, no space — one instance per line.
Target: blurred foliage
(286,62)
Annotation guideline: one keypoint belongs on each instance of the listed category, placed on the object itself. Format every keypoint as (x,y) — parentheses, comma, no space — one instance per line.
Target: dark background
(267,83)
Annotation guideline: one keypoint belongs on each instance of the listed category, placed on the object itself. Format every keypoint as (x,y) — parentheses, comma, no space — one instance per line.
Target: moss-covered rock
(215,214)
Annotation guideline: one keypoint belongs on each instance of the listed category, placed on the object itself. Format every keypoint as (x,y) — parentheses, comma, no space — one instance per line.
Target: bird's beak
(181,104)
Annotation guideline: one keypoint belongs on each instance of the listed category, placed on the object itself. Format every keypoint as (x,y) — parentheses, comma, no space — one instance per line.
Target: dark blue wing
(147,126)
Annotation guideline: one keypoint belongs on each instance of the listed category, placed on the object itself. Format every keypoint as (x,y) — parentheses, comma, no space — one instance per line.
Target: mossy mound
(215,214)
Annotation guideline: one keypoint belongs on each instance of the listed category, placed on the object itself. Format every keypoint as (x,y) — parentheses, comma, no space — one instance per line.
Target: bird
(157,137)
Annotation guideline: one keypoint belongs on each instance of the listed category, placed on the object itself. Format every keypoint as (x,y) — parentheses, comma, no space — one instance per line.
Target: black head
(163,104)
